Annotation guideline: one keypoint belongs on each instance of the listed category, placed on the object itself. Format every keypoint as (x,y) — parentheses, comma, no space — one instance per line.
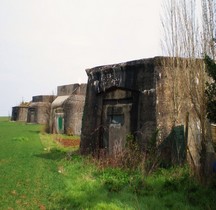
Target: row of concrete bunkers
(127,98)
(63,113)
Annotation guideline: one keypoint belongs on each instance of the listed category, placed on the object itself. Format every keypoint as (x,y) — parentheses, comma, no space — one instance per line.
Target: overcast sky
(47,43)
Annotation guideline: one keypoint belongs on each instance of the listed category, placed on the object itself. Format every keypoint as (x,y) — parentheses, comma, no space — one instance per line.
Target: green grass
(38,173)
(4,119)
(27,177)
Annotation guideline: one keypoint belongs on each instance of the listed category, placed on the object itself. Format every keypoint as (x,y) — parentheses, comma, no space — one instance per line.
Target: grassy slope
(41,175)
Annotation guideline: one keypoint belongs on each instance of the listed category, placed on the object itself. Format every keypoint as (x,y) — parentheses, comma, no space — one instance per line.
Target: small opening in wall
(115,115)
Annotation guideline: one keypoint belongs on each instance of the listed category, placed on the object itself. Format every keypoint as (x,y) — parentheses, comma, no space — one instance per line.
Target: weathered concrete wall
(137,81)
(78,89)
(138,94)
(67,109)
(19,113)
(213,132)
(43,98)
(73,110)
(39,112)
(39,109)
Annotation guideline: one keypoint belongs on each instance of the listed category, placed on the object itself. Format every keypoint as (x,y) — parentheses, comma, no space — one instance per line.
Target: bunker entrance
(60,123)
(32,115)
(117,119)
(59,119)
(15,114)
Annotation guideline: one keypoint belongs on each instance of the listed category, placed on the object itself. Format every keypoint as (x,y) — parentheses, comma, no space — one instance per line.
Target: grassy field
(38,173)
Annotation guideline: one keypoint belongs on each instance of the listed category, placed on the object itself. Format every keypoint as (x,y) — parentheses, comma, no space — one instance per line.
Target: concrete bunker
(67,109)
(132,98)
(19,113)
(39,109)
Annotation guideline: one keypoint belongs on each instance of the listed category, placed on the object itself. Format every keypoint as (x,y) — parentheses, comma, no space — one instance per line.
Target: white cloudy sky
(47,43)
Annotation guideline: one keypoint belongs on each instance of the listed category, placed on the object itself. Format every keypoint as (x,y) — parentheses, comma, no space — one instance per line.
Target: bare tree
(188,27)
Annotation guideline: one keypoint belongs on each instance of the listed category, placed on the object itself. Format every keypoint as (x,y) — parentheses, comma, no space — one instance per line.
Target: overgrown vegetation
(38,173)
(211,89)
(189,32)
